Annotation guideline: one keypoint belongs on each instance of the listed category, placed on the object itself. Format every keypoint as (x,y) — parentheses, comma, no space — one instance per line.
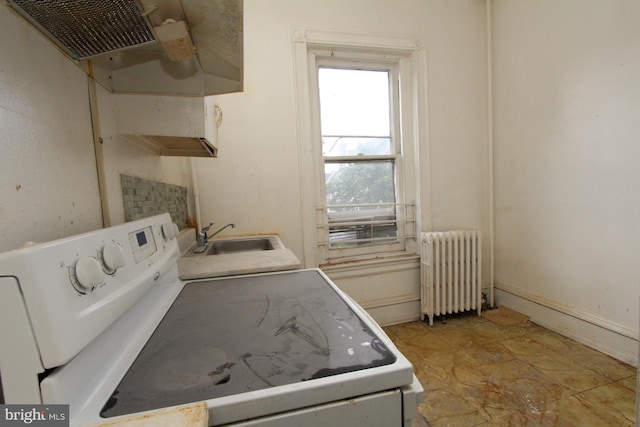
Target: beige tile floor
(503,370)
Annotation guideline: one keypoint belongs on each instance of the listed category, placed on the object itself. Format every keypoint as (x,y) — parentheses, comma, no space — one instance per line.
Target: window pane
(355,121)
(354,102)
(359,183)
(350,146)
(365,234)
(360,199)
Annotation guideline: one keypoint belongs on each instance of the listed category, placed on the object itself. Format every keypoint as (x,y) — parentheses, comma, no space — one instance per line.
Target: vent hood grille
(86,28)
(129,46)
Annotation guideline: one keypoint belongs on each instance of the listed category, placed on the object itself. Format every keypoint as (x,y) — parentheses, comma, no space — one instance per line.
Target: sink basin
(239,245)
(233,256)
(244,245)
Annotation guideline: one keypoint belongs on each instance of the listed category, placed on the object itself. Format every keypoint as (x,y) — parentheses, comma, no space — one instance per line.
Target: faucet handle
(205,229)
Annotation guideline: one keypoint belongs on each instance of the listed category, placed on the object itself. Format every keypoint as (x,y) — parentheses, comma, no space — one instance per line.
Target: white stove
(101,322)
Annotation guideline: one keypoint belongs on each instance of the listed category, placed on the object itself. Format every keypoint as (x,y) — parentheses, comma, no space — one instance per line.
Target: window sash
(360,236)
(365,229)
(354,138)
(362,223)
(404,220)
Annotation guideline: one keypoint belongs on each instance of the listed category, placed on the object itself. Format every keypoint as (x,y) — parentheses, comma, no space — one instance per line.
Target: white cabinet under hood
(170,125)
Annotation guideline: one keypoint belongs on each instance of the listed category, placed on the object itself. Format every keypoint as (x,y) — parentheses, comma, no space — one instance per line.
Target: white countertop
(201,266)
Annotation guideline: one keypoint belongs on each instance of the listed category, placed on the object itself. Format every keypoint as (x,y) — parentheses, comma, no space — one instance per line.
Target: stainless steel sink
(239,245)
(244,245)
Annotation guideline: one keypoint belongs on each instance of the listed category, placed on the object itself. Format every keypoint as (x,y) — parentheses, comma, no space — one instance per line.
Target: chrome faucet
(202,238)
(220,229)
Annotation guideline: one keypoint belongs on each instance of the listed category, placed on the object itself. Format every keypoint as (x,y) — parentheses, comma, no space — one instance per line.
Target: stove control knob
(169,230)
(88,272)
(113,256)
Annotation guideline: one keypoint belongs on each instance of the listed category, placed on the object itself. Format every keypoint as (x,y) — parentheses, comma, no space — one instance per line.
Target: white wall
(47,161)
(567,144)
(254,182)
(47,165)
(566,118)
(121,156)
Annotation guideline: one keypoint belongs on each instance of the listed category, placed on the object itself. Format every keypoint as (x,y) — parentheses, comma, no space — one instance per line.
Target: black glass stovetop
(235,335)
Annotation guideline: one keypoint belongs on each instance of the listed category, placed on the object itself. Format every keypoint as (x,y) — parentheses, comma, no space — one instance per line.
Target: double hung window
(359,98)
(362,209)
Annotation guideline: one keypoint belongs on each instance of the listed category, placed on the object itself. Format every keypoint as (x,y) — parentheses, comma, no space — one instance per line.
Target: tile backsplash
(143,198)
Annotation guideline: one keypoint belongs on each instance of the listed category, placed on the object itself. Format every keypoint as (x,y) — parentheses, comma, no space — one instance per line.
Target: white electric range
(101,322)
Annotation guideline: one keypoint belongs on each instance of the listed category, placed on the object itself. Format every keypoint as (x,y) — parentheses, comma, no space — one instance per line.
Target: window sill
(388,258)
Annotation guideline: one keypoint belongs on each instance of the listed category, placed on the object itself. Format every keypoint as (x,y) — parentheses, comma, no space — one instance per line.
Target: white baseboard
(607,337)
(394,314)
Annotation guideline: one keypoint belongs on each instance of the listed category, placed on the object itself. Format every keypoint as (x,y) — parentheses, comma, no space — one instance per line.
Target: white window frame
(406,60)
(332,58)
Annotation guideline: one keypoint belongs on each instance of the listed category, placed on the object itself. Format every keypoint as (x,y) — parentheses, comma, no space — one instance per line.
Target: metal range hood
(161,47)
